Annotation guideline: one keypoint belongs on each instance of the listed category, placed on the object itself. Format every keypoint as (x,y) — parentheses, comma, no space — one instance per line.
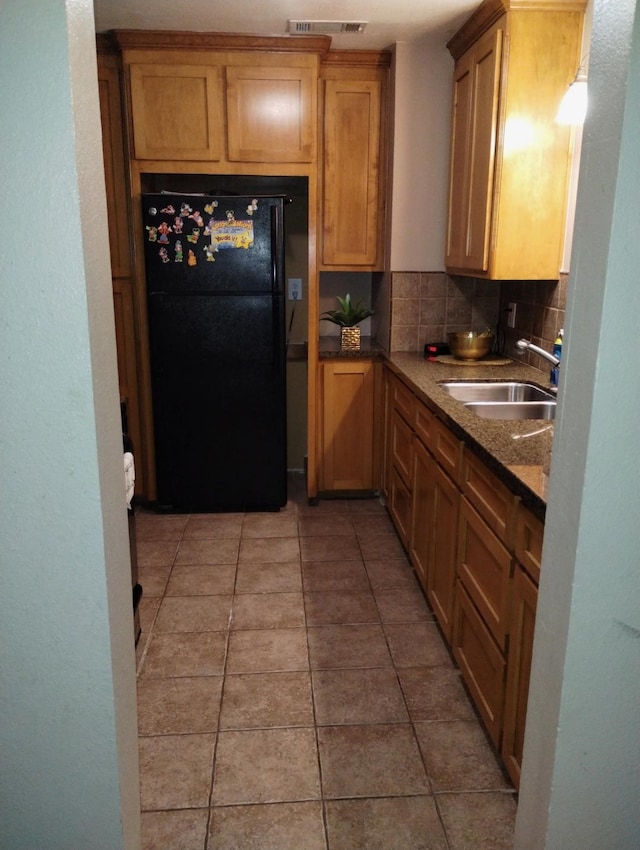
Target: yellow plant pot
(350,339)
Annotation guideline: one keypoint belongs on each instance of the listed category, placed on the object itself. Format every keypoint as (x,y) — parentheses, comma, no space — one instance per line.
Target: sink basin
(513,409)
(496,391)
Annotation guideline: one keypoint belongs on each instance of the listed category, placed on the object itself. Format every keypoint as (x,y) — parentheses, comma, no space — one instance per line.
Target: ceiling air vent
(326,27)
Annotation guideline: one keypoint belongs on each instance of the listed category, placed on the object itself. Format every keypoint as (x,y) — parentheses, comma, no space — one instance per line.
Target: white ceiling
(388,20)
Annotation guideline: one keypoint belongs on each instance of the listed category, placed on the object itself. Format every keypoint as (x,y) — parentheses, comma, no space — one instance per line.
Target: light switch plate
(511,319)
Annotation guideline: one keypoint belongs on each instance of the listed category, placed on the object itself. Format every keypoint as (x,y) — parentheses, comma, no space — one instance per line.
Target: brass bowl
(470,345)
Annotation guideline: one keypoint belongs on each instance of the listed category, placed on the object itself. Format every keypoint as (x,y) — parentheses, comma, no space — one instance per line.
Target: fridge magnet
(230,215)
(153,211)
(208,230)
(210,250)
(232,234)
(197,218)
(253,206)
(185,210)
(178,250)
(169,210)
(191,258)
(153,233)
(194,235)
(164,230)
(209,208)
(164,255)
(177,224)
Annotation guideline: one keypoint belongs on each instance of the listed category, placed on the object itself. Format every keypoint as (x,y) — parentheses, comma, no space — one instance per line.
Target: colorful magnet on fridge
(210,250)
(253,206)
(209,208)
(178,250)
(177,224)
(231,216)
(164,230)
(185,210)
(153,233)
(169,209)
(194,235)
(197,218)
(191,258)
(153,211)
(164,255)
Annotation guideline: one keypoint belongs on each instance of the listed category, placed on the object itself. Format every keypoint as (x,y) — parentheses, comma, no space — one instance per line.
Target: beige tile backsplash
(425,306)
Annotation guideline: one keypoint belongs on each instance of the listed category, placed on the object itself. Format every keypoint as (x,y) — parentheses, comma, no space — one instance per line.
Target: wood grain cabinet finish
(120,248)
(224,106)
(349,405)
(422,519)
(510,161)
(353,162)
(271,113)
(521,628)
(529,539)
(484,568)
(495,503)
(176,111)
(481,662)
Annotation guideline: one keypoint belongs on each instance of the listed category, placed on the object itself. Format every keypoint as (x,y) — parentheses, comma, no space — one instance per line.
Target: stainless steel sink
(513,409)
(496,391)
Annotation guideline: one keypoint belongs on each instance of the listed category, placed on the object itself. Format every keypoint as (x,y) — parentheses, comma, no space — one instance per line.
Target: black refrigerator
(217,343)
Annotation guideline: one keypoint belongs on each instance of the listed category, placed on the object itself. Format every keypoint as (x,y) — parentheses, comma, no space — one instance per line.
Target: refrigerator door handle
(276,290)
(275,241)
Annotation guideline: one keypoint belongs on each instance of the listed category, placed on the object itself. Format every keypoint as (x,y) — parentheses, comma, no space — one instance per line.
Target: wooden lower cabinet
(521,627)
(400,506)
(481,662)
(484,567)
(422,527)
(441,573)
(349,425)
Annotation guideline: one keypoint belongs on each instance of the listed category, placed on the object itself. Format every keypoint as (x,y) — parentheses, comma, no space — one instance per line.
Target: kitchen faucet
(524,345)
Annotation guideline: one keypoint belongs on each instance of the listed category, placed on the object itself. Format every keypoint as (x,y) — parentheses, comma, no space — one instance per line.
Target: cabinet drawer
(400,506)
(401,446)
(484,568)
(446,448)
(423,423)
(403,400)
(529,537)
(489,496)
(481,662)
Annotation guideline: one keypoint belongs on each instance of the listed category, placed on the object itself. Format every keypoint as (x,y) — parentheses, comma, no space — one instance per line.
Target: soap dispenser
(557,352)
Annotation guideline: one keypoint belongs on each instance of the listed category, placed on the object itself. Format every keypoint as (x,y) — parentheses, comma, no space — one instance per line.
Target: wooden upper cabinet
(114,165)
(271,113)
(510,161)
(176,111)
(353,137)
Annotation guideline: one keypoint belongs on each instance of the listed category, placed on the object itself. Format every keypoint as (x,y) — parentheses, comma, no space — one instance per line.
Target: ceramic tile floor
(294,692)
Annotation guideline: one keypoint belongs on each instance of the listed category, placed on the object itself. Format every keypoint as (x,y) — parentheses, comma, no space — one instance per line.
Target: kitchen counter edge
(518,452)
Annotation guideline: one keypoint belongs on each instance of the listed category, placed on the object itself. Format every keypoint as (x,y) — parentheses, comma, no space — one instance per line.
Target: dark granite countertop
(518,452)
(329,349)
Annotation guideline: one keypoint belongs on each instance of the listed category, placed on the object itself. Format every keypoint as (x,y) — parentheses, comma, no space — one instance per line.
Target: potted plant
(348,317)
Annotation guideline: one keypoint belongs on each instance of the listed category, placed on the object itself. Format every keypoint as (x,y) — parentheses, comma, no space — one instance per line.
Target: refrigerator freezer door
(219,403)
(196,244)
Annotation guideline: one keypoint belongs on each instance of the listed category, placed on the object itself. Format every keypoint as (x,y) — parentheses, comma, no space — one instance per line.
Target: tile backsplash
(425,306)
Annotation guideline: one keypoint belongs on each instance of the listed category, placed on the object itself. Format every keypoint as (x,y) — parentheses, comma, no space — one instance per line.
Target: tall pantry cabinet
(510,161)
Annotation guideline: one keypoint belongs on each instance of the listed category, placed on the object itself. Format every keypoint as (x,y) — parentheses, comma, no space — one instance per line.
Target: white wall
(422,117)
(67,670)
(581,770)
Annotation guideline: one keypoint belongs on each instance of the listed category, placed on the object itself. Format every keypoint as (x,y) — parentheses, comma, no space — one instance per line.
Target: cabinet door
(351,173)
(484,568)
(400,506)
(441,572)
(523,616)
(271,113)
(176,112)
(348,421)
(481,662)
(473,151)
(422,511)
